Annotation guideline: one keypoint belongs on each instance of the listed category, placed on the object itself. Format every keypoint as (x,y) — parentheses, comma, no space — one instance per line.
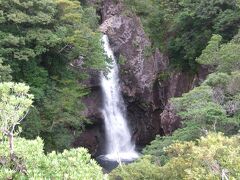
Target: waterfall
(119,144)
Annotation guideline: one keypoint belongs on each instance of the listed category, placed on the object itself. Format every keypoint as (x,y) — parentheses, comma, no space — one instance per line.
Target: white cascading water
(119,144)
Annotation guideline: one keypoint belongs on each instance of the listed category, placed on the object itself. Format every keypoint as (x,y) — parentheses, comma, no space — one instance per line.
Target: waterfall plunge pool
(108,165)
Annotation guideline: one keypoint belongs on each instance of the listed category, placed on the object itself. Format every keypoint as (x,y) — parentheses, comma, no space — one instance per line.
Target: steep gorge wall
(137,71)
(145,87)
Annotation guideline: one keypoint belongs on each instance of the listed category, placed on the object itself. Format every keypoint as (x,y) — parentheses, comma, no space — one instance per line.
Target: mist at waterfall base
(119,147)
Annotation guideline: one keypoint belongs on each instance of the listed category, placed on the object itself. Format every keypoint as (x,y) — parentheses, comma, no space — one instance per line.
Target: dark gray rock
(147,83)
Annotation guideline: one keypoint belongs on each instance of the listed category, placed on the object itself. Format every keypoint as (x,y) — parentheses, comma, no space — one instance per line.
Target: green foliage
(213,106)
(40,39)
(89,17)
(163,76)
(14,104)
(183,28)
(35,76)
(122,59)
(225,56)
(208,55)
(216,101)
(212,157)
(90,46)
(5,72)
(148,51)
(189,132)
(62,119)
(31,125)
(143,169)
(28,160)
(73,164)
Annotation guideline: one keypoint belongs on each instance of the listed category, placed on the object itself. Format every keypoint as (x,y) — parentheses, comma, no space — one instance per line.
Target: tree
(214,156)
(214,105)
(48,44)
(143,169)
(14,104)
(225,57)
(5,72)
(182,28)
(190,131)
(74,164)
(27,158)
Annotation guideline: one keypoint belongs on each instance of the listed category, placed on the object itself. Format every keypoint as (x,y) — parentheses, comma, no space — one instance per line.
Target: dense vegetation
(19,162)
(212,107)
(32,163)
(39,41)
(212,157)
(182,28)
(42,40)
(193,152)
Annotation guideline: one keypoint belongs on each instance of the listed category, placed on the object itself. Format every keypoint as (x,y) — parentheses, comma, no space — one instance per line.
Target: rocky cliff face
(138,67)
(146,82)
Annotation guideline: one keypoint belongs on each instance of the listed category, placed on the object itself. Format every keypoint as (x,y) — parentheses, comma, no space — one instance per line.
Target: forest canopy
(39,41)
(183,28)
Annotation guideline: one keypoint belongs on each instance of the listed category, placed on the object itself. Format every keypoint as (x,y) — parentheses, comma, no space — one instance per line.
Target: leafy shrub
(212,157)
(143,169)
(72,164)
